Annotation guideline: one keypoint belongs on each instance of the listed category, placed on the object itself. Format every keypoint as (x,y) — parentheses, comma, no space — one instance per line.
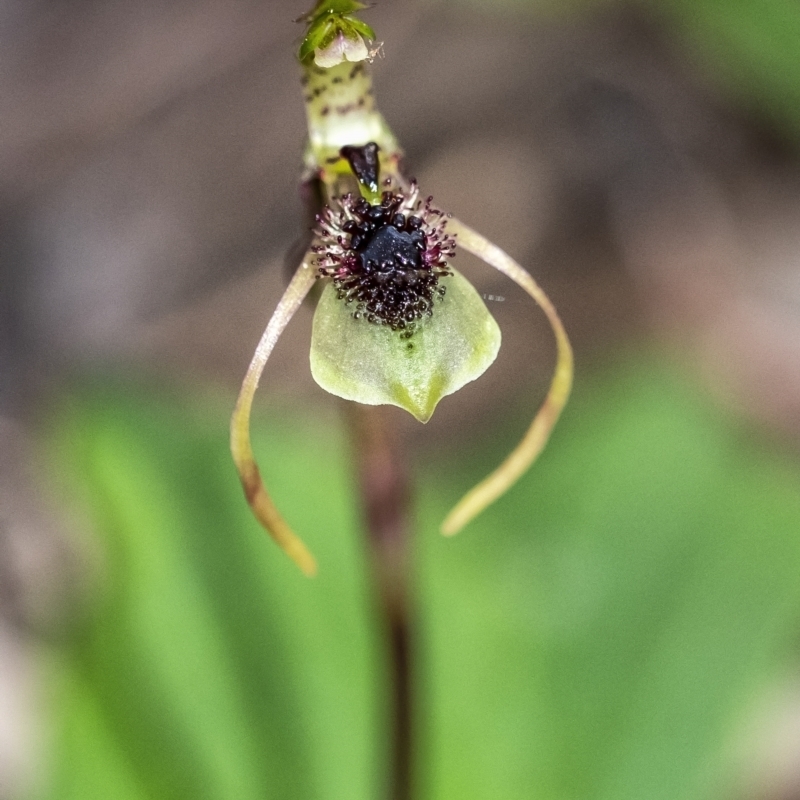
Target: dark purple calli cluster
(386,259)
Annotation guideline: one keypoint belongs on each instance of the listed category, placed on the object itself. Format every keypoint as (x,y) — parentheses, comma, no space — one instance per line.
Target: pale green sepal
(372,364)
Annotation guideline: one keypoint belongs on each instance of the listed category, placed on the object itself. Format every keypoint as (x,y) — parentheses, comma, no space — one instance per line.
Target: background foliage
(600,633)
(605,631)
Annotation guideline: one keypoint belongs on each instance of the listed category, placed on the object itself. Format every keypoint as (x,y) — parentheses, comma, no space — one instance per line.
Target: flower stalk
(386,503)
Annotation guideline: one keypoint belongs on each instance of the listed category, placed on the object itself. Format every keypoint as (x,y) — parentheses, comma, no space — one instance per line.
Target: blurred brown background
(148,162)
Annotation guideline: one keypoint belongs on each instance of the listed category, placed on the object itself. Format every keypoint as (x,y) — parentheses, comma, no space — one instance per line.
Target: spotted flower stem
(340,110)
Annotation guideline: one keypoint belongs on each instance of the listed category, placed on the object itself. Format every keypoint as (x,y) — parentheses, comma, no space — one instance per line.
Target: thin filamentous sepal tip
(257,496)
(533,442)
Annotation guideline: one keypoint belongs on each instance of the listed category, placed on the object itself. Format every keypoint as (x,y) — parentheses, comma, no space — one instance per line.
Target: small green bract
(330,19)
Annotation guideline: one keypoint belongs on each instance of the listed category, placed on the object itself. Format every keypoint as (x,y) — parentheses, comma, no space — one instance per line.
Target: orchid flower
(395,322)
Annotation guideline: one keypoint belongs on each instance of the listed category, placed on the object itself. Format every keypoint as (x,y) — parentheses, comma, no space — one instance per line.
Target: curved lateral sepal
(259,500)
(535,438)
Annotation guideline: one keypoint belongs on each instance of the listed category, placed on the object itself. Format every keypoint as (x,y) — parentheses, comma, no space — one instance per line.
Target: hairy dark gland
(387,275)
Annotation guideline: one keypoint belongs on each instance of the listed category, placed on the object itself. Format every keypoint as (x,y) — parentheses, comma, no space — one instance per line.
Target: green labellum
(374,365)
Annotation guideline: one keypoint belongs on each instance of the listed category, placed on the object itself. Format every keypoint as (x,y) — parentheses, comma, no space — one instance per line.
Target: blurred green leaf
(599,633)
(751,47)
(209,670)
